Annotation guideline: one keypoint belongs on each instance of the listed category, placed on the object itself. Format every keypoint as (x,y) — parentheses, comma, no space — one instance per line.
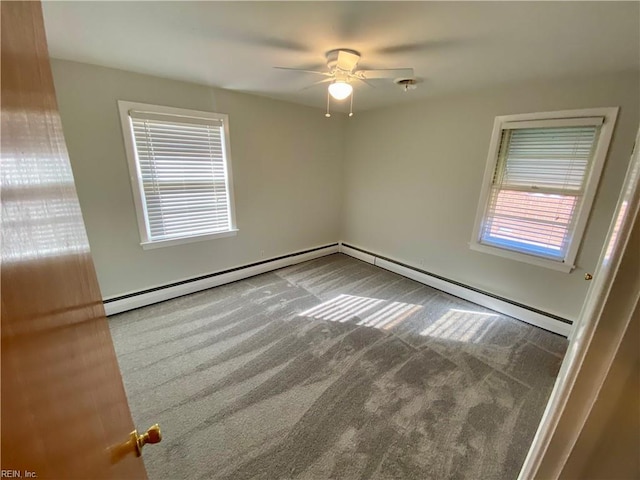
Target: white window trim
(582,215)
(136,177)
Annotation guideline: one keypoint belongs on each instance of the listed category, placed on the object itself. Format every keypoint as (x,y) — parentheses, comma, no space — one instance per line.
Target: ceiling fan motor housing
(332,58)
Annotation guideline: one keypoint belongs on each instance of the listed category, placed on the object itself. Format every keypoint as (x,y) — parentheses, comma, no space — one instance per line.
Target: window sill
(522,257)
(179,241)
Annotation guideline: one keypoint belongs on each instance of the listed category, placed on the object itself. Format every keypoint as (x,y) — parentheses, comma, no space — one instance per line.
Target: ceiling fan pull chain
(328,97)
(351,107)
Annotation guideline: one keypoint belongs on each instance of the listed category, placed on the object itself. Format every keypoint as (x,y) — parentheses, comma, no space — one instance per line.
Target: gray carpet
(334,369)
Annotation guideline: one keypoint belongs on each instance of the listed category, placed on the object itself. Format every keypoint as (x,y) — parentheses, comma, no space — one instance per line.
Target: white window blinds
(538,185)
(182,172)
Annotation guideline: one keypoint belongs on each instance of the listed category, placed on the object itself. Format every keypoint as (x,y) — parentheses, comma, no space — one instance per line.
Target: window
(180,173)
(541,177)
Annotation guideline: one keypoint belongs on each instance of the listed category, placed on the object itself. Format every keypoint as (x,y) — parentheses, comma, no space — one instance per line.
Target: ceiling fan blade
(326,80)
(386,73)
(364,80)
(347,61)
(326,74)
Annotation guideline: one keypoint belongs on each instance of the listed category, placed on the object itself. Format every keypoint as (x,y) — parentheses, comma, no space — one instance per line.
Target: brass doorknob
(152,435)
(588,276)
(135,443)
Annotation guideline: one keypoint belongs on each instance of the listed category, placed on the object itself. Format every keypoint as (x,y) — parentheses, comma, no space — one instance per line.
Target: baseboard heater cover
(133,300)
(527,314)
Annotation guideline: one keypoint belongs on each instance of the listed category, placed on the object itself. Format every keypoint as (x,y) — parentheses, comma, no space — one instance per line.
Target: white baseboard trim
(352,252)
(502,306)
(122,303)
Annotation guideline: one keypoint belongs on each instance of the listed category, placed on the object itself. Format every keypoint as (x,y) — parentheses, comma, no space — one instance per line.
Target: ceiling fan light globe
(340,90)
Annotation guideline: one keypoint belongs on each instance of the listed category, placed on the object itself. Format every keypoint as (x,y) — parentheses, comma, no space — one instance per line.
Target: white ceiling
(451,46)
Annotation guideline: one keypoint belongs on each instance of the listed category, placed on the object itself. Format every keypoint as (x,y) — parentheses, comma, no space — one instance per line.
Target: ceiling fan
(343,69)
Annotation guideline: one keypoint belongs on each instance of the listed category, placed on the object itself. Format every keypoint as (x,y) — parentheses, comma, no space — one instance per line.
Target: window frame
(609,115)
(135,176)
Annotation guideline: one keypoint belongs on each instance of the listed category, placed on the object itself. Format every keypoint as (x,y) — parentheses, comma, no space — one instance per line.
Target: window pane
(542,173)
(534,223)
(537,188)
(184,175)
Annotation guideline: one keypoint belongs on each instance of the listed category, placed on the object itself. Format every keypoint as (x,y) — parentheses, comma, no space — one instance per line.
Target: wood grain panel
(63,402)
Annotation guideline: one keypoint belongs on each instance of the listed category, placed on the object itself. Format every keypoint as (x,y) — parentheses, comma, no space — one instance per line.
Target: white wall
(402,182)
(286,167)
(413,175)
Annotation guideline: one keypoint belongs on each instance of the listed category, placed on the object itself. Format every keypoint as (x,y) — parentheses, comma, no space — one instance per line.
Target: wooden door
(63,401)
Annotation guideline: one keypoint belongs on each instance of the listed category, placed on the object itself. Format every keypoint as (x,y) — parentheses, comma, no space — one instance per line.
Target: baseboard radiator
(130,301)
(133,300)
(527,314)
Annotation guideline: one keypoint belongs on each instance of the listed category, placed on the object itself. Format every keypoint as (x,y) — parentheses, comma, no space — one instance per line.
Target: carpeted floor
(334,369)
